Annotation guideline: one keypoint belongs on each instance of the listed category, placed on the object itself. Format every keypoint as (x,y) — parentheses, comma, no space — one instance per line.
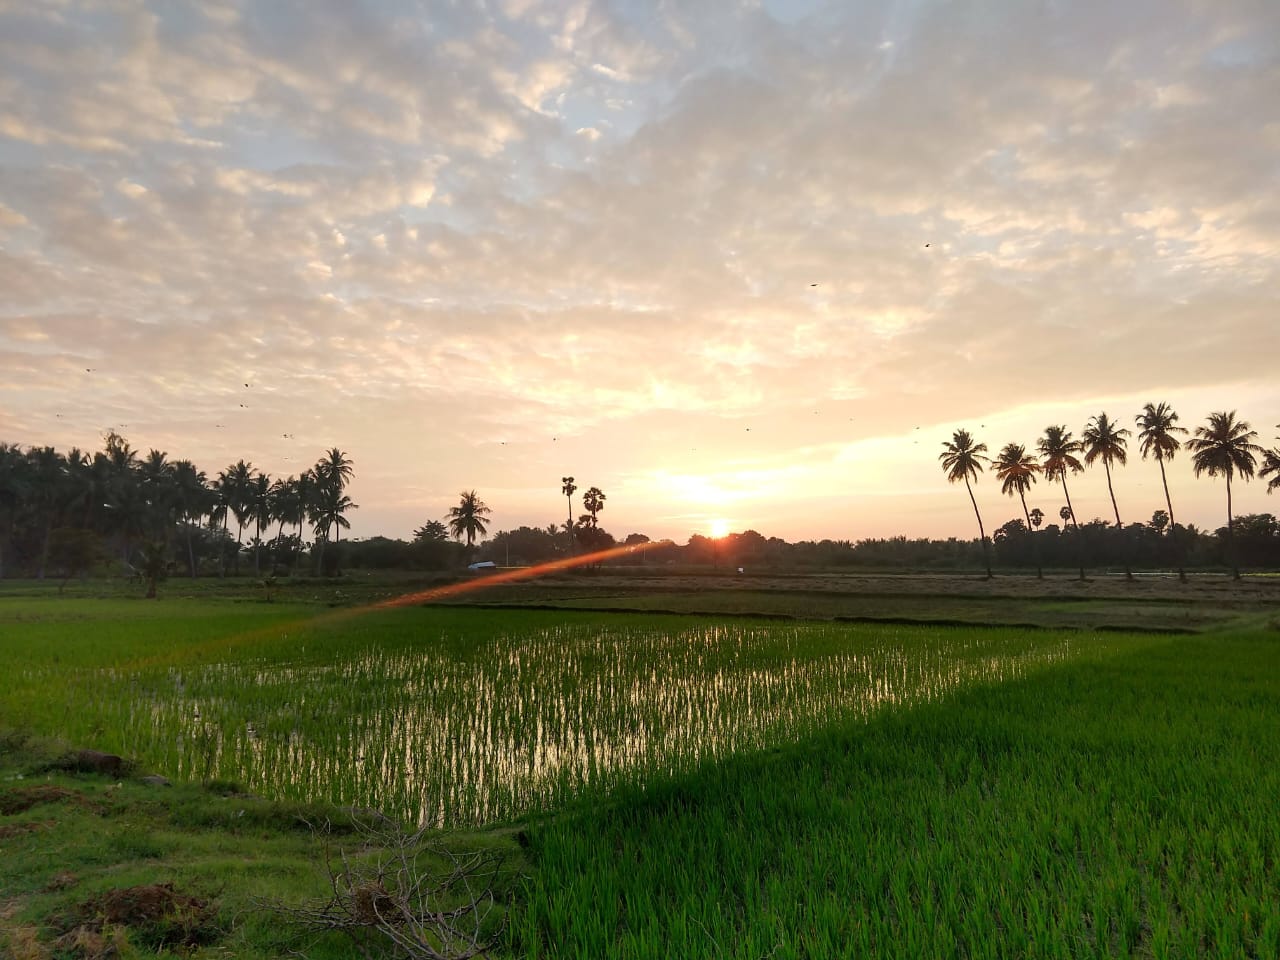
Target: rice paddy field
(715,787)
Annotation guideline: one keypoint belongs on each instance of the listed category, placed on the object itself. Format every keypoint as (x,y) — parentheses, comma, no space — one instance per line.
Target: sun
(719,528)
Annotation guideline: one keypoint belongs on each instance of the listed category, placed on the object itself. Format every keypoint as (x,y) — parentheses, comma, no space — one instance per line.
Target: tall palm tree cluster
(69,510)
(1223,447)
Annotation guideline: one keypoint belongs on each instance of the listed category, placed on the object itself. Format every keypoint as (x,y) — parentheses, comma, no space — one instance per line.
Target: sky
(741,261)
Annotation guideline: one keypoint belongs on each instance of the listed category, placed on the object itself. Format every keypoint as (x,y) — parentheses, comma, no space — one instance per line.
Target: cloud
(638,230)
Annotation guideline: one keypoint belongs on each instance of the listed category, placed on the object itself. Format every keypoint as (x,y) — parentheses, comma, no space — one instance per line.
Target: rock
(155,780)
(95,761)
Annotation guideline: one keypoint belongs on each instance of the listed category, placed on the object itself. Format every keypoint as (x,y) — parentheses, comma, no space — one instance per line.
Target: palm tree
(155,473)
(961,460)
(567,487)
(239,497)
(306,499)
(1104,441)
(1157,424)
(1016,470)
(467,519)
(48,473)
(328,502)
(327,513)
(1058,451)
(334,468)
(593,502)
(1225,447)
(286,505)
(191,501)
(14,484)
(260,511)
(1271,467)
(219,511)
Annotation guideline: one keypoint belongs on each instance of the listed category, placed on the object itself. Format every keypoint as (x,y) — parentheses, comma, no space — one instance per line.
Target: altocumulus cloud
(483,246)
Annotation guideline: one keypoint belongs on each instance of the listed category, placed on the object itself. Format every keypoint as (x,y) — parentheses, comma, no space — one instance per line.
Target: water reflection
(529,720)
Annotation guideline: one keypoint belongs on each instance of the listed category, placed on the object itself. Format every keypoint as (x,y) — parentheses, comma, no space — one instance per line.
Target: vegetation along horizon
(70,514)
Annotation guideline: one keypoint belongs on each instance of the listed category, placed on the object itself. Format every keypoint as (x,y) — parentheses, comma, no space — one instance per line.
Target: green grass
(1115,807)
(680,786)
(234,852)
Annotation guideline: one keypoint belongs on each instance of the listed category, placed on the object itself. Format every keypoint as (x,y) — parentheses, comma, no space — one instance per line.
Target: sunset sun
(719,528)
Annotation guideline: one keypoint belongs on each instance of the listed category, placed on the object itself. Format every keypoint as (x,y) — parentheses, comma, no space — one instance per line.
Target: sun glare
(719,528)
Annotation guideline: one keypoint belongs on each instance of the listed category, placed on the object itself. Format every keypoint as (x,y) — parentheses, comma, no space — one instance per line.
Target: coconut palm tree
(260,512)
(192,501)
(306,498)
(221,490)
(47,469)
(14,487)
(1016,470)
(962,459)
(1157,424)
(239,499)
(1225,447)
(467,519)
(286,505)
(327,514)
(1058,449)
(334,468)
(1103,440)
(1271,467)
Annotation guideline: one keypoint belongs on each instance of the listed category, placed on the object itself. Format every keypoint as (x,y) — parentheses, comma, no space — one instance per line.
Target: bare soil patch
(21,799)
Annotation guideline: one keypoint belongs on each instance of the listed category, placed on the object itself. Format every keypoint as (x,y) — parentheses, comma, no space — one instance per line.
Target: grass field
(683,785)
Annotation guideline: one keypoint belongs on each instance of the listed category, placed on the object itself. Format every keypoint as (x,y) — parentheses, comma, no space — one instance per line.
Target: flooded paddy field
(465,717)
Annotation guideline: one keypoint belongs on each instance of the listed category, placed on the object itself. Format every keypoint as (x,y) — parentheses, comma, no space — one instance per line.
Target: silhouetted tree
(567,486)
(1104,441)
(1157,425)
(467,519)
(962,459)
(1016,470)
(593,502)
(1225,447)
(1058,451)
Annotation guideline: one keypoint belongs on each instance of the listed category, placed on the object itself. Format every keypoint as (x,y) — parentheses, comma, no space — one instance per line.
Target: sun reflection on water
(528,721)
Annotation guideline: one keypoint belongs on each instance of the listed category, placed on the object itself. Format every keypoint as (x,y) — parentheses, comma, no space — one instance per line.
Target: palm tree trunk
(1231,534)
(982,534)
(222,551)
(1035,544)
(191,551)
(1173,524)
(1074,522)
(1128,573)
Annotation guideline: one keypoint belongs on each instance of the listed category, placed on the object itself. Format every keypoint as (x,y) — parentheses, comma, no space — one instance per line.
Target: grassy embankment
(1112,803)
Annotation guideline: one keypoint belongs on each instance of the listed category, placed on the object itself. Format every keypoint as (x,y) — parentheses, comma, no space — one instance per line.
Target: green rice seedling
(457,717)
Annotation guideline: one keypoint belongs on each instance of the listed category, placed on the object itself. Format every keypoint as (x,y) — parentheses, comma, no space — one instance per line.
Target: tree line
(67,512)
(1221,447)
